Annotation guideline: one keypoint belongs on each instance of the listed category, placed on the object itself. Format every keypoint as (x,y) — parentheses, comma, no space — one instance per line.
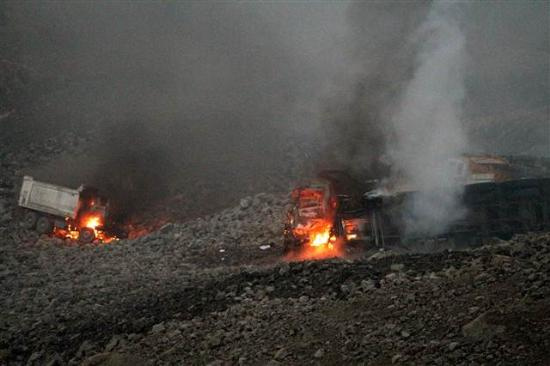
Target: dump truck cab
(310,220)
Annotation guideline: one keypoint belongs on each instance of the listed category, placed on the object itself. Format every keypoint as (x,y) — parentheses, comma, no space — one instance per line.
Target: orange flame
(320,243)
(91,221)
(319,238)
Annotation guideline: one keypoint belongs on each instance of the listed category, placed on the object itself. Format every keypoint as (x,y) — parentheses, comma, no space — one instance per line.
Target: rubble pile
(486,306)
(234,236)
(153,301)
(51,283)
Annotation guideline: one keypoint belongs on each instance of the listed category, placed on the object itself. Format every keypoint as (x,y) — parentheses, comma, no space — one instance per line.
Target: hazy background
(232,96)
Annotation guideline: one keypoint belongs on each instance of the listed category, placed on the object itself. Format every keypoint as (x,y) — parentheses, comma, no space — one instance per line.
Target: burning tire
(44,225)
(86,235)
(29,221)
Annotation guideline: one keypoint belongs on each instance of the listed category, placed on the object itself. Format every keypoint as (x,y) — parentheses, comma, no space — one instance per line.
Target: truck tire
(29,221)
(86,235)
(290,246)
(44,225)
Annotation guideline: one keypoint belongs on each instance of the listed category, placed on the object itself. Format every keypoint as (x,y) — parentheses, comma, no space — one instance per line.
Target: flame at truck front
(316,234)
(310,222)
(91,221)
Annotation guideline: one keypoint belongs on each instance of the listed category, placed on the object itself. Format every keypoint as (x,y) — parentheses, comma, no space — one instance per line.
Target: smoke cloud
(223,98)
(212,100)
(428,81)
(427,130)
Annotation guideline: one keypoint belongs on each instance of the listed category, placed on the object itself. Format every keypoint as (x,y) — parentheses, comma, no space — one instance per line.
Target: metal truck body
(74,213)
(49,198)
(496,203)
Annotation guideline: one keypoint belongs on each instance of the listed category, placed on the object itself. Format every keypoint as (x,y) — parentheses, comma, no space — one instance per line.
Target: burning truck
(78,214)
(337,208)
(323,217)
(310,221)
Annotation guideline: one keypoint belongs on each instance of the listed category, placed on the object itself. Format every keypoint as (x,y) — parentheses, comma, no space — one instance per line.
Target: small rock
(452,346)
(367,285)
(113,359)
(55,361)
(380,254)
(97,359)
(169,351)
(481,328)
(473,309)
(214,340)
(84,349)
(501,260)
(319,353)
(113,343)
(215,363)
(284,269)
(450,272)
(34,358)
(166,228)
(157,328)
(395,358)
(482,277)
(397,267)
(281,354)
(245,203)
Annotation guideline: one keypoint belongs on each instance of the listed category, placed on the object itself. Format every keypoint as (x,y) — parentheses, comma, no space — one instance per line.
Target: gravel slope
(154,299)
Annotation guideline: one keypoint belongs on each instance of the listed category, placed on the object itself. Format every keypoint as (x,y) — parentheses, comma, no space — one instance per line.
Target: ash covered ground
(216,290)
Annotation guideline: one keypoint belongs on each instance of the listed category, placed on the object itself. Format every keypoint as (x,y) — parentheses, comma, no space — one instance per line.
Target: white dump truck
(77,213)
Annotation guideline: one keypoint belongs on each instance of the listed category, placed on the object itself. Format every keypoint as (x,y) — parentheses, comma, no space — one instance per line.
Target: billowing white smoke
(427,128)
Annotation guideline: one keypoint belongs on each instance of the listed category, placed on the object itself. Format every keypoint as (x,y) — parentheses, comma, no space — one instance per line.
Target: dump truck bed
(49,198)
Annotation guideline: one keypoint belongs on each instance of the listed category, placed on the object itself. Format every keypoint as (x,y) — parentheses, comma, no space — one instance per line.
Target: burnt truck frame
(47,206)
(491,209)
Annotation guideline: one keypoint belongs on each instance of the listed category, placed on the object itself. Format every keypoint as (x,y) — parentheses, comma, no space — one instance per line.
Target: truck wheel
(290,246)
(44,225)
(29,221)
(86,235)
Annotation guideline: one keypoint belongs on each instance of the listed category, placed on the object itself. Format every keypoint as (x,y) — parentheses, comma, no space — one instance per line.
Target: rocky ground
(216,290)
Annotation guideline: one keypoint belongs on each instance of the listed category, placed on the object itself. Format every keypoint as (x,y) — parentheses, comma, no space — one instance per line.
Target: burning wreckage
(499,198)
(78,214)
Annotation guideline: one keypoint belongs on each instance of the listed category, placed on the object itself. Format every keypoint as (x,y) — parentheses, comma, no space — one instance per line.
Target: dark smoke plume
(506,78)
(183,96)
(217,95)
(429,81)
